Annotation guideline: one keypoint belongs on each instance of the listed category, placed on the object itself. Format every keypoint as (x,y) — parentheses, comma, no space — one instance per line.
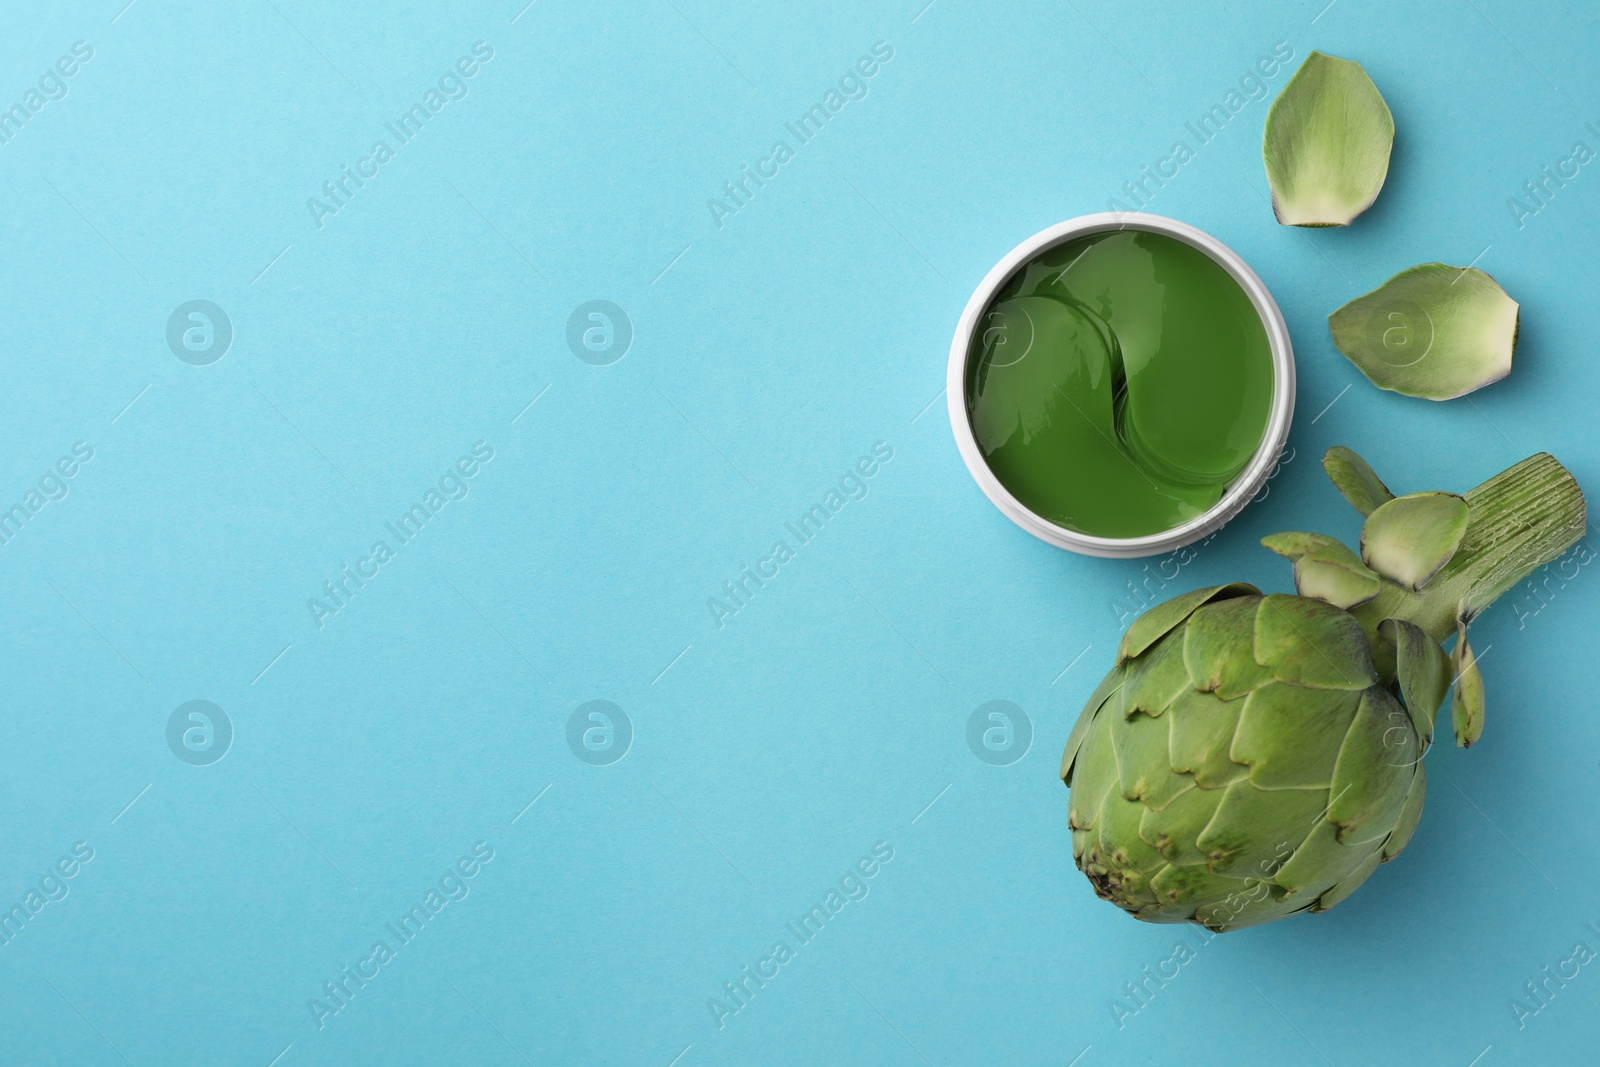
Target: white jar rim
(1239,492)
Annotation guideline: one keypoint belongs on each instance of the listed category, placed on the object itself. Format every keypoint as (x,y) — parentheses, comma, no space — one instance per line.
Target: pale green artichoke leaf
(1251,904)
(1172,788)
(1335,553)
(1338,584)
(1350,883)
(1108,691)
(1325,569)
(1202,728)
(1178,885)
(1410,816)
(1157,913)
(1466,706)
(1374,769)
(1294,544)
(1290,737)
(1327,143)
(1310,643)
(1119,835)
(1423,670)
(1160,914)
(1299,544)
(1143,772)
(1408,539)
(1321,861)
(1120,849)
(1155,678)
(1254,829)
(1095,775)
(1162,911)
(1355,480)
(1156,623)
(1218,649)
(1111,689)
(1433,331)
(1172,830)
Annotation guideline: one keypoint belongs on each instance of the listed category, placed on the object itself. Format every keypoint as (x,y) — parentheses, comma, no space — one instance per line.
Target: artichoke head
(1241,762)
(1251,756)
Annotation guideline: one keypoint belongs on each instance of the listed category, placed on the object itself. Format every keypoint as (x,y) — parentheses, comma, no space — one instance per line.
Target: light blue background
(769,354)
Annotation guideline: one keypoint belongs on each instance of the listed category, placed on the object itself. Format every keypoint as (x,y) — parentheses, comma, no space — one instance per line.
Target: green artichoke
(1251,756)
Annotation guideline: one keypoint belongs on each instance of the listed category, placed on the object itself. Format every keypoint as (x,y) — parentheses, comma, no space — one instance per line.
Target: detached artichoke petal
(1466,708)
(1327,143)
(1433,331)
(1356,480)
(1409,538)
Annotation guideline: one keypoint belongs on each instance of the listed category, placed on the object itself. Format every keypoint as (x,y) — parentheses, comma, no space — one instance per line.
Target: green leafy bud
(1250,757)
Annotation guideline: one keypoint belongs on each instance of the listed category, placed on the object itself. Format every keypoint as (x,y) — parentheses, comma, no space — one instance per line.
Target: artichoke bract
(1251,756)
(1433,331)
(1327,143)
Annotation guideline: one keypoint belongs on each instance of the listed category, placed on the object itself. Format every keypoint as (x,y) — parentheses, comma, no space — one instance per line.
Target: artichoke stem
(1518,521)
